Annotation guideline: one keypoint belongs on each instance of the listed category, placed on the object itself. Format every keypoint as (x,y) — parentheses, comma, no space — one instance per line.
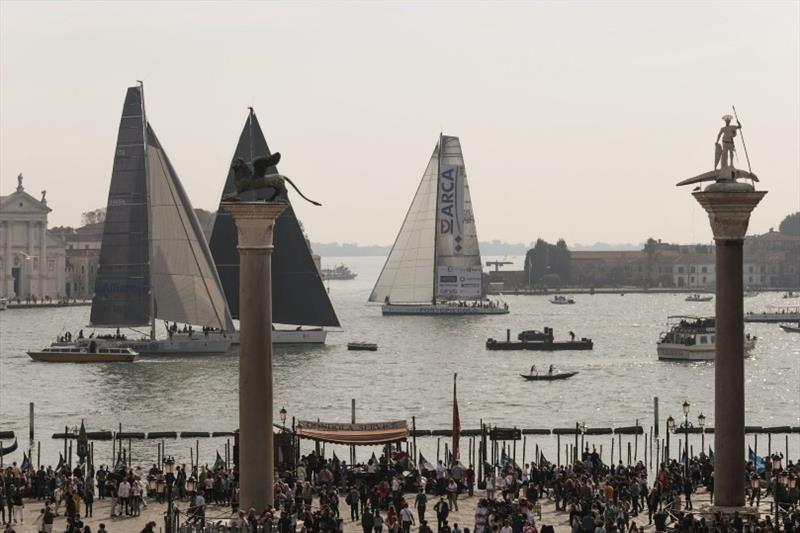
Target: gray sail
(186,288)
(298,294)
(122,286)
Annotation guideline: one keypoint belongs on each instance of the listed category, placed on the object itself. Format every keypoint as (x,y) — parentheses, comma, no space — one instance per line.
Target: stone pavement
(464,517)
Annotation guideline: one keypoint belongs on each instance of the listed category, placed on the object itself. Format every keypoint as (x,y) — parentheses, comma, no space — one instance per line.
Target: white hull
(293,336)
(705,352)
(450,310)
(179,344)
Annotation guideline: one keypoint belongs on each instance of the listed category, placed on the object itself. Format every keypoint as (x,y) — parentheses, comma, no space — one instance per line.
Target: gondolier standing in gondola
(533,369)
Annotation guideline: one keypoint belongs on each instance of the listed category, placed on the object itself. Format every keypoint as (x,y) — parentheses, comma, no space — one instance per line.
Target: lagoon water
(410,375)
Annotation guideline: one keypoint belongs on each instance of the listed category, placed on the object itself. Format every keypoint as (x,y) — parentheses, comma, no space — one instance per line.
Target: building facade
(32,259)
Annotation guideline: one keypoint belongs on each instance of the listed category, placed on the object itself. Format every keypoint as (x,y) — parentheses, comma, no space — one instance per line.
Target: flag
(542,460)
(60,461)
(219,464)
(456,421)
(424,464)
(26,463)
(758,462)
(710,454)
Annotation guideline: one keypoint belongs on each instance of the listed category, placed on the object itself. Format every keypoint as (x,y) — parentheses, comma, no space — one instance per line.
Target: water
(410,375)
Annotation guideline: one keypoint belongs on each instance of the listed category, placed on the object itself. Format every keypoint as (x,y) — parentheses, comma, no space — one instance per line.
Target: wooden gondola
(8,449)
(789,328)
(548,377)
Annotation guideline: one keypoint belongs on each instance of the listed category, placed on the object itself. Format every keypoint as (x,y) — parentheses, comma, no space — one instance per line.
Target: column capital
(729,205)
(255,222)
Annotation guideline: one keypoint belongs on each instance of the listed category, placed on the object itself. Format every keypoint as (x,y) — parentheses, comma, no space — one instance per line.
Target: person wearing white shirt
(124,493)
(406,518)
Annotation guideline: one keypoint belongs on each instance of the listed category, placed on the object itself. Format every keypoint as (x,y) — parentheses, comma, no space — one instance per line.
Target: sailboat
(434,267)
(299,297)
(154,261)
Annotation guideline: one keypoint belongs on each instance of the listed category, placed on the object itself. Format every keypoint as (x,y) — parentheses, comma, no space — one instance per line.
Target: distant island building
(32,259)
(771,261)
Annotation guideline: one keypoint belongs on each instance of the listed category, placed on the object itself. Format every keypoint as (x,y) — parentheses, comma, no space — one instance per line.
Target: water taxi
(89,353)
(692,338)
(562,300)
(699,298)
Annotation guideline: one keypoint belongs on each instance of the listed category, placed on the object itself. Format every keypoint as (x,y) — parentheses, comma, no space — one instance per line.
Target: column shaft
(729,377)
(255,378)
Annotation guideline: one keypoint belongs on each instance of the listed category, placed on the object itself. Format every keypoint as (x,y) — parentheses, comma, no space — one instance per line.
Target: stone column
(43,270)
(255,222)
(729,205)
(8,261)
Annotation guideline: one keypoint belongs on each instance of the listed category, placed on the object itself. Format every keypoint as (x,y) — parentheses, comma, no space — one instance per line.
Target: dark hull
(547,377)
(492,344)
(363,347)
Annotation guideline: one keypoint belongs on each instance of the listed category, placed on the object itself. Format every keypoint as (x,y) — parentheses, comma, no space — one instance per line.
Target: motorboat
(789,328)
(699,298)
(542,341)
(562,300)
(692,338)
(3,304)
(339,272)
(86,353)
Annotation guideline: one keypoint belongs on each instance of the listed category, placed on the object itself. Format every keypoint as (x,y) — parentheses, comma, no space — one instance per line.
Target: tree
(791,225)
(96,216)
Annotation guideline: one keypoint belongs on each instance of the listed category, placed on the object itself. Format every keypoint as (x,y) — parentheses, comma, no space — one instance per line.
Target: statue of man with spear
(724,151)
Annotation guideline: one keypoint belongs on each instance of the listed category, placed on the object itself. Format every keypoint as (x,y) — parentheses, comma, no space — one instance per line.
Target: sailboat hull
(448,310)
(293,336)
(197,344)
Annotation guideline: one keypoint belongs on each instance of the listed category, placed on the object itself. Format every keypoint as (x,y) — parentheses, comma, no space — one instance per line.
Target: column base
(709,511)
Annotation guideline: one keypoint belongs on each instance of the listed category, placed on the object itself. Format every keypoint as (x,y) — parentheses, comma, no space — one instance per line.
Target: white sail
(407,276)
(184,280)
(458,255)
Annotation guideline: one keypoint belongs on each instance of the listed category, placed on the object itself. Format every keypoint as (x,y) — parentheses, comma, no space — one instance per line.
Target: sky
(576,119)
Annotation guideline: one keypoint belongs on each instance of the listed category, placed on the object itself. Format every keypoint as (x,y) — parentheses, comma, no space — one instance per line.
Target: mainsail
(436,254)
(154,261)
(298,294)
(122,287)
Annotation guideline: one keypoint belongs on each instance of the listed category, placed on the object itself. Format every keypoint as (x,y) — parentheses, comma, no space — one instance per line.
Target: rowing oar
(741,132)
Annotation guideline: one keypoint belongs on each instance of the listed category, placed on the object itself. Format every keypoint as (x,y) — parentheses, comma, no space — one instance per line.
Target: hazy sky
(576,119)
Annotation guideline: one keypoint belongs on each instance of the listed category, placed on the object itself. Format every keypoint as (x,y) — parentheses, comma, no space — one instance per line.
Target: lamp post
(583,432)
(169,477)
(670,429)
(283,418)
(701,422)
(686,438)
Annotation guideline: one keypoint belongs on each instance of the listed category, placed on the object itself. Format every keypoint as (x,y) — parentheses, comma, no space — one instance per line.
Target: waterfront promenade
(464,516)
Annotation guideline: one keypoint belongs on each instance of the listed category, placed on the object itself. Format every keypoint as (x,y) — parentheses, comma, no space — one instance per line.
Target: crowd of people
(391,493)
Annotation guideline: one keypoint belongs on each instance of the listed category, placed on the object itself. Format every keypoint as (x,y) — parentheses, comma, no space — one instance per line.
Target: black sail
(122,287)
(298,294)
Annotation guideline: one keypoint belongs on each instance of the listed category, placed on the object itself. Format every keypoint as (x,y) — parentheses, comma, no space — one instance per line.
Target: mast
(436,216)
(149,219)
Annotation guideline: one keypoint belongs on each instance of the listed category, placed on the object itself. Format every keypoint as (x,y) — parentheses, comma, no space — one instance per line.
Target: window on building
(680,270)
(750,279)
(692,270)
(704,279)
(83,269)
(691,279)
(704,270)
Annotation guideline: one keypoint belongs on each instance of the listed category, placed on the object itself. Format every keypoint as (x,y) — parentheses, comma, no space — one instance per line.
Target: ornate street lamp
(191,485)
(151,483)
(283,417)
(583,433)
(169,478)
(701,422)
(776,463)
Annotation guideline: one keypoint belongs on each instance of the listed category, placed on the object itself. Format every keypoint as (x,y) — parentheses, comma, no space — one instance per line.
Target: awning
(354,434)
